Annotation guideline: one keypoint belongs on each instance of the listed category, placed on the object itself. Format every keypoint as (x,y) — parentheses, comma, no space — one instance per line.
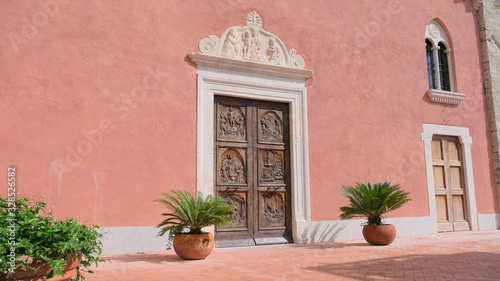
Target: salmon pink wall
(98,99)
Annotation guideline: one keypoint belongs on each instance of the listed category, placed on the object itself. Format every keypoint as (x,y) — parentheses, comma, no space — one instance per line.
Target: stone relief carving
(230,49)
(232,169)
(251,43)
(231,123)
(253,19)
(434,31)
(271,127)
(273,52)
(296,60)
(272,167)
(209,45)
(251,46)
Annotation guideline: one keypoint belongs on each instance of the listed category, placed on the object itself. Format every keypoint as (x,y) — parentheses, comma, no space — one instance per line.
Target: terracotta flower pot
(380,234)
(193,246)
(40,269)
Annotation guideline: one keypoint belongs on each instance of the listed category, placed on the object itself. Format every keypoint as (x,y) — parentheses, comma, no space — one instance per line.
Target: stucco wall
(98,99)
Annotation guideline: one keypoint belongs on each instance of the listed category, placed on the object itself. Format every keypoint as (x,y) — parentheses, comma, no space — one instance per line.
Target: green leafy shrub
(38,235)
(190,215)
(372,201)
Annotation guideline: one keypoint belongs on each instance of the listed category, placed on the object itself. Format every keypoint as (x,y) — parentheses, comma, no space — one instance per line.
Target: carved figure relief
(253,175)
(273,52)
(273,214)
(239,215)
(434,30)
(232,169)
(271,127)
(251,47)
(230,48)
(274,209)
(252,43)
(231,123)
(272,167)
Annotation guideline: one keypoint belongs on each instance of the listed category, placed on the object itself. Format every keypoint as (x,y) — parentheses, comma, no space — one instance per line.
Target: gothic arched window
(431,68)
(439,65)
(438,57)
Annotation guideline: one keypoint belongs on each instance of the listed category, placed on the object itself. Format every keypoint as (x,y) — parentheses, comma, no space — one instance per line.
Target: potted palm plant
(36,246)
(187,219)
(373,202)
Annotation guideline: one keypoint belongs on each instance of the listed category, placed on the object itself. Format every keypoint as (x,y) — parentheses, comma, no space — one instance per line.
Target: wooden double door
(252,170)
(449,187)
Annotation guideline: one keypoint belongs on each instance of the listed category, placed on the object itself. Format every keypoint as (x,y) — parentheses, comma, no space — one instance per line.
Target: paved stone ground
(444,256)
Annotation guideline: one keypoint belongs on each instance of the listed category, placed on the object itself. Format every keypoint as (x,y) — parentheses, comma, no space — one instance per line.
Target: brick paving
(443,256)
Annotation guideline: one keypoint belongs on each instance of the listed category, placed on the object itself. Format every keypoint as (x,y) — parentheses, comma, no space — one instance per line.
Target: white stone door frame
(251,63)
(465,140)
(214,81)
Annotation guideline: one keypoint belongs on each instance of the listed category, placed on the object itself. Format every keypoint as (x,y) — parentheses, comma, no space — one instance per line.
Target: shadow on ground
(157,258)
(336,245)
(460,266)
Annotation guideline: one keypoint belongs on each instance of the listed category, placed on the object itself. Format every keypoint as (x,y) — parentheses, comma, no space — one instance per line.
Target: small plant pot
(379,234)
(40,269)
(193,246)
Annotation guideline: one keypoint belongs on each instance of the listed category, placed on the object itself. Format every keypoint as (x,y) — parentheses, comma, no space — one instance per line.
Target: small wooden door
(252,170)
(449,189)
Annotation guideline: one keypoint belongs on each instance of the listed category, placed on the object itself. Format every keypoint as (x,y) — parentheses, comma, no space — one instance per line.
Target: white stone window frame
(435,33)
(429,130)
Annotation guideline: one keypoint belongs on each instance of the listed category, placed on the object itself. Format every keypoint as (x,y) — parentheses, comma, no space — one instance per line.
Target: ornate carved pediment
(251,43)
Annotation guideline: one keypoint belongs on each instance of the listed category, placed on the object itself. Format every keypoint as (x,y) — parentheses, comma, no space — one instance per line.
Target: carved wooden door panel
(449,186)
(252,170)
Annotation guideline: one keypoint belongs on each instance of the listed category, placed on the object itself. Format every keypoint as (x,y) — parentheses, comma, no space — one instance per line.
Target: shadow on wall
(468,8)
(318,233)
(462,266)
